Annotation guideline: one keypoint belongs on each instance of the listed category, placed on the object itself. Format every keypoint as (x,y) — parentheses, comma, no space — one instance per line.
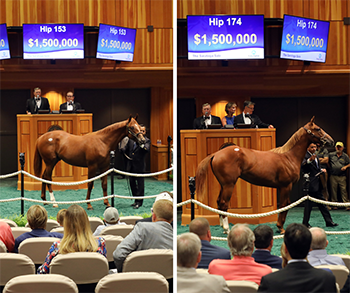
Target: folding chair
(242,286)
(17,231)
(50,224)
(3,247)
(339,271)
(117,230)
(10,222)
(130,220)
(94,223)
(112,242)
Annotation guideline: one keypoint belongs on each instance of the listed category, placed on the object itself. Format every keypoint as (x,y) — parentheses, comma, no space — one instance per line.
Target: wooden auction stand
(159,157)
(30,127)
(246,198)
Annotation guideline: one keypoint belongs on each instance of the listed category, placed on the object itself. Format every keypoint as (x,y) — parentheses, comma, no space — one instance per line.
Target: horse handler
(311,165)
(136,163)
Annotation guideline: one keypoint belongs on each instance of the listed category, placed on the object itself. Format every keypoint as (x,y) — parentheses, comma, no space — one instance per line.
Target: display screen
(225,37)
(53,41)
(304,39)
(116,43)
(4,43)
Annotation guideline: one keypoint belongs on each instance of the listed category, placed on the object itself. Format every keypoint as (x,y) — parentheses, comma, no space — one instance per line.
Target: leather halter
(322,139)
(132,133)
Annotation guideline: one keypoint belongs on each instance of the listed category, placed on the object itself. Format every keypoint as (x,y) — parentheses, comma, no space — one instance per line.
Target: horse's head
(134,131)
(318,135)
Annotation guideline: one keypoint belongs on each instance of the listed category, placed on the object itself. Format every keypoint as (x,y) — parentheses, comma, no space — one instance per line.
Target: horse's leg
(223,201)
(284,201)
(48,176)
(104,188)
(43,188)
(91,174)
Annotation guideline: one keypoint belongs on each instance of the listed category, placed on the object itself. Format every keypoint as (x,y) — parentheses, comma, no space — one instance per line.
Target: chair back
(150,260)
(13,265)
(36,248)
(81,267)
(3,247)
(130,220)
(94,223)
(17,231)
(117,230)
(41,284)
(50,224)
(145,282)
(58,230)
(345,258)
(10,222)
(112,242)
(340,272)
(242,286)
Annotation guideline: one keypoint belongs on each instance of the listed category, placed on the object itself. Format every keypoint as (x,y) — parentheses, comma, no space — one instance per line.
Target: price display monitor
(53,41)
(304,39)
(4,43)
(116,43)
(224,37)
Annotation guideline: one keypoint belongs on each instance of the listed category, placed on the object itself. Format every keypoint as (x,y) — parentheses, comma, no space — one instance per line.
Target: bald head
(319,238)
(201,227)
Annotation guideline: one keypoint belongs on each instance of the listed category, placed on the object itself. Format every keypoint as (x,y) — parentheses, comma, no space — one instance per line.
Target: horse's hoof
(107,204)
(90,208)
(45,204)
(281,230)
(55,205)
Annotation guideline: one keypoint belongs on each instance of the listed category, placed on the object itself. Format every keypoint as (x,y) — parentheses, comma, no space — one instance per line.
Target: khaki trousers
(340,181)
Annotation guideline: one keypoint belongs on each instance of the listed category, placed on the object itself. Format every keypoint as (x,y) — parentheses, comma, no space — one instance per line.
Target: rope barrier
(10,175)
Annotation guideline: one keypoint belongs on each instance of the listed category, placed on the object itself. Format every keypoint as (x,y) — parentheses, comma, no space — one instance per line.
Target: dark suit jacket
(210,252)
(32,107)
(265,257)
(313,169)
(198,123)
(298,277)
(75,106)
(255,121)
(136,157)
(346,288)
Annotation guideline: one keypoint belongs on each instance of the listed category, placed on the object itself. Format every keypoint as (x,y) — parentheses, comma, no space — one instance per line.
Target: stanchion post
(22,162)
(169,140)
(112,175)
(192,186)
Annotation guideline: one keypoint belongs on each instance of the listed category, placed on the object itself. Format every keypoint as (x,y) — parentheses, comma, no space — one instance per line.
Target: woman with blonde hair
(77,238)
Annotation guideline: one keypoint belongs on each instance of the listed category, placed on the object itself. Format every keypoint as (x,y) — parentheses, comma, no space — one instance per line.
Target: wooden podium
(159,155)
(246,198)
(30,127)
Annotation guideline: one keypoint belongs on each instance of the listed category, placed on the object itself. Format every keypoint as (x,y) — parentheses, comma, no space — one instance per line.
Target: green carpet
(337,243)
(8,189)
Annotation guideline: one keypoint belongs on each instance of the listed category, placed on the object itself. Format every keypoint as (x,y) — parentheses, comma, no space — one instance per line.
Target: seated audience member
(188,257)
(247,117)
(242,267)
(37,219)
(110,218)
(163,195)
(77,238)
(206,119)
(6,236)
(60,216)
(263,244)
(318,254)
(298,275)
(230,109)
(200,226)
(157,235)
(70,105)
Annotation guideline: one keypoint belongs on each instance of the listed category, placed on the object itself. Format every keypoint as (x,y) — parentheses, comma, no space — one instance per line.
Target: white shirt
(38,102)
(207,121)
(70,107)
(246,119)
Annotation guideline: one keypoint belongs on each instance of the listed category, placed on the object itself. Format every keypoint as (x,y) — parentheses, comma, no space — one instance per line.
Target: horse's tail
(201,173)
(37,162)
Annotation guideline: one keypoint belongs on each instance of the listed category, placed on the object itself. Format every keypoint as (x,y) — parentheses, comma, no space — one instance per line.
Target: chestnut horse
(91,150)
(278,168)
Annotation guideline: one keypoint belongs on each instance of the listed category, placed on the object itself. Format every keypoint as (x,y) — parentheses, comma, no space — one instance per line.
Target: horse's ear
(312,119)
(130,118)
(137,116)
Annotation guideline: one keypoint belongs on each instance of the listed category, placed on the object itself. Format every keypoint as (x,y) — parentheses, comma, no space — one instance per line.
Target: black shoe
(308,225)
(332,224)
(136,206)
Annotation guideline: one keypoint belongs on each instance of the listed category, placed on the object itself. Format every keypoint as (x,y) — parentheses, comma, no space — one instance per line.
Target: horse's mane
(290,143)
(112,127)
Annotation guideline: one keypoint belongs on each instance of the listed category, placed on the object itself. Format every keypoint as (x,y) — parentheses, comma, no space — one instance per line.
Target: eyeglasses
(251,108)
(70,96)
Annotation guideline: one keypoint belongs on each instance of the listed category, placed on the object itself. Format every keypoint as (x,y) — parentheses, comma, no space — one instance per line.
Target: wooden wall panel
(163,44)
(135,13)
(162,13)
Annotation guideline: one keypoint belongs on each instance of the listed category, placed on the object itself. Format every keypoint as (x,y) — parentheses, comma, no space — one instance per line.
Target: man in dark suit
(247,117)
(311,165)
(298,275)
(136,154)
(207,119)
(201,227)
(263,244)
(70,105)
(37,103)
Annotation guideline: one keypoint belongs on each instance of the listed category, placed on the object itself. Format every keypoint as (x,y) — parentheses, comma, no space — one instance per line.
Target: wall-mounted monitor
(53,41)
(304,39)
(224,37)
(4,43)
(116,43)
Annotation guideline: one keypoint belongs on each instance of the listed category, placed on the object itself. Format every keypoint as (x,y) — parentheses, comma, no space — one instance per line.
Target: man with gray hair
(318,254)
(206,119)
(201,227)
(188,257)
(243,266)
(247,117)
